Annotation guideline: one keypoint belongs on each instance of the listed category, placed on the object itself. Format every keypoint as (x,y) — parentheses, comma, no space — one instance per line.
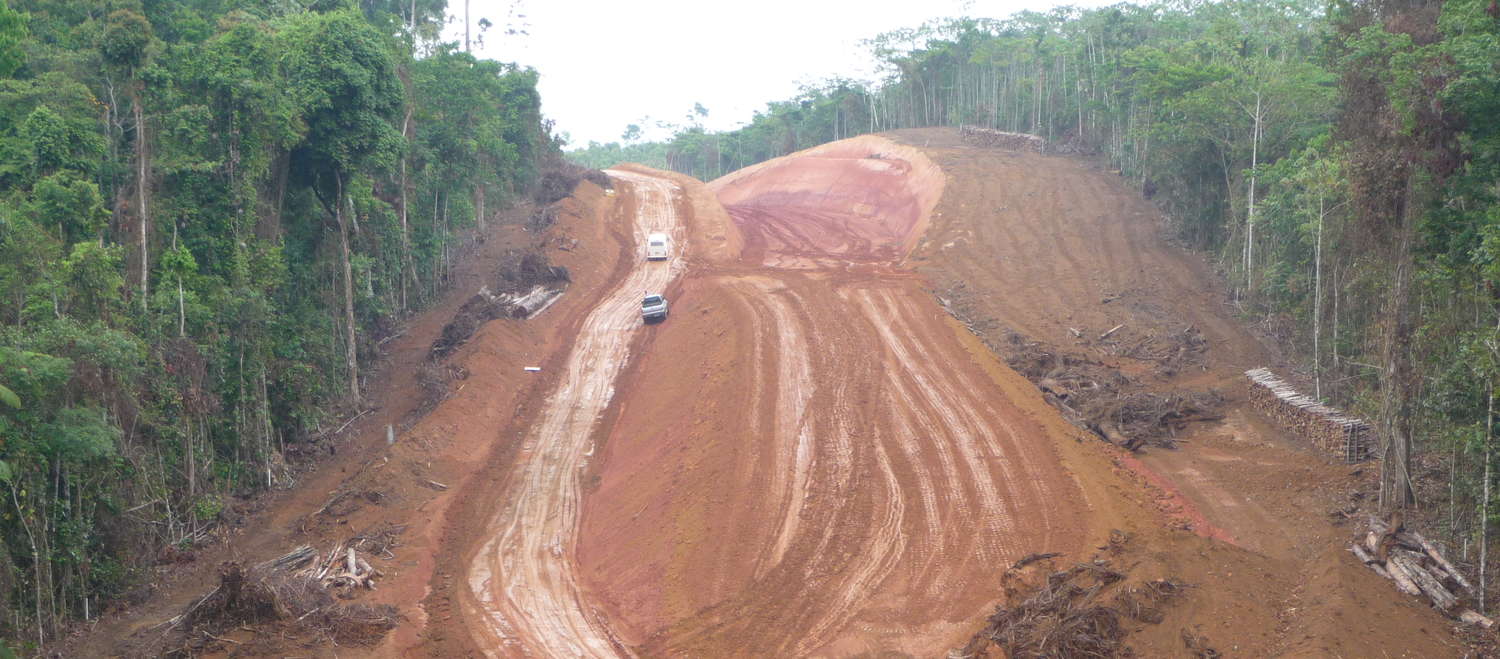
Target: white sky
(605,64)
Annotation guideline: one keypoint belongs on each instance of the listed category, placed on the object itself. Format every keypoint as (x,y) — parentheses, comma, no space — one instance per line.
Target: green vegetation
(211,212)
(1341,161)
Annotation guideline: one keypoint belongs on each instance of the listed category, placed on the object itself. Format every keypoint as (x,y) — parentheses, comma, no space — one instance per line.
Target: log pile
(1343,436)
(989,137)
(1417,568)
(341,567)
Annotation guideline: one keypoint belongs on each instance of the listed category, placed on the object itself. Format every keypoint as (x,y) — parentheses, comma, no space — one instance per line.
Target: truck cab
(654,308)
(657,248)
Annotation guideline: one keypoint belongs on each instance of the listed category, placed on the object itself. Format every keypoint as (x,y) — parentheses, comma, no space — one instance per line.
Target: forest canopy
(211,213)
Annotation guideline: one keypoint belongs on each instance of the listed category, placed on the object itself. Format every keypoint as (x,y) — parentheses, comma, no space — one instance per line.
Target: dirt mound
(865,199)
(523,285)
(558,183)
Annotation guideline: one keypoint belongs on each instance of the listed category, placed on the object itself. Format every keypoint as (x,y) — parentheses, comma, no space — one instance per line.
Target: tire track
(524,577)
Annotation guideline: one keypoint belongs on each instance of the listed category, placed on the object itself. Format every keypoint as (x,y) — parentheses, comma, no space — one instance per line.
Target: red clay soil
(1034,245)
(813,457)
(853,201)
(810,459)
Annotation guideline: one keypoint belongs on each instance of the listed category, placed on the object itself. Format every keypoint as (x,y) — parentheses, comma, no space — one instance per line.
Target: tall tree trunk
(479,205)
(192,464)
(181,306)
(1250,207)
(1396,386)
(1484,504)
(351,355)
(141,186)
(1318,303)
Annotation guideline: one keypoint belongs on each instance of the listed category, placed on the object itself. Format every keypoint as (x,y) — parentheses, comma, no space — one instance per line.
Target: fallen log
(1475,618)
(1365,557)
(1403,582)
(1402,560)
(291,559)
(1437,557)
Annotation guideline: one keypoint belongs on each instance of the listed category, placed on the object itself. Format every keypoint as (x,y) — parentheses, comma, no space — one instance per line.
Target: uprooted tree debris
(1083,611)
(1417,568)
(298,589)
(1094,396)
(522,288)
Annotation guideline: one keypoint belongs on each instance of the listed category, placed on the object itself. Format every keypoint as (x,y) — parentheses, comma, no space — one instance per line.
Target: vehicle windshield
(651,300)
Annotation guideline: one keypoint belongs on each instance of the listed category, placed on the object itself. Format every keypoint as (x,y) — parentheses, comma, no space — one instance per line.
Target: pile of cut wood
(294,586)
(341,567)
(989,137)
(1343,436)
(1417,568)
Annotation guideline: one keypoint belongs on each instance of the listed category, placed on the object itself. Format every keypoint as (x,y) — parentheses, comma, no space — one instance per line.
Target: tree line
(1339,160)
(211,213)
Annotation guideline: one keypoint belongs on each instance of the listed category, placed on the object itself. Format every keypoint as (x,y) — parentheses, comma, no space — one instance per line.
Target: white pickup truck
(654,308)
(657,247)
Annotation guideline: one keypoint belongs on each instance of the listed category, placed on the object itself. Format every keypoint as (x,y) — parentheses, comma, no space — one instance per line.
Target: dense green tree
(199,241)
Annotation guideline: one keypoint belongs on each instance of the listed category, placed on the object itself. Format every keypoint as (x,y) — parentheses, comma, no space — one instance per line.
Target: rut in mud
(812,457)
(809,461)
(525,589)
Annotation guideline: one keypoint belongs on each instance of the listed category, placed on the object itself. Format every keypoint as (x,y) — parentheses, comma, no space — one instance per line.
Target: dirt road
(812,457)
(809,460)
(525,589)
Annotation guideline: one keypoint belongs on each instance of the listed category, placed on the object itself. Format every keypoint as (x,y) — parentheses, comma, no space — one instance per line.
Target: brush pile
(298,589)
(1084,611)
(1345,437)
(989,137)
(1417,568)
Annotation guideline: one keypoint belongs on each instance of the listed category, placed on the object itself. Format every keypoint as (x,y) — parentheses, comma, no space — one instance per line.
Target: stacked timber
(1417,568)
(989,137)
(1343,436)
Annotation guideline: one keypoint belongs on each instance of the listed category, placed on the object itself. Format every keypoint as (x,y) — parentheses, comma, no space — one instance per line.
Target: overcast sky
(605,64)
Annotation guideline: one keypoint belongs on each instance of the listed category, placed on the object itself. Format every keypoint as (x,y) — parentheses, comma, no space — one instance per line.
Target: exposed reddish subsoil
(811,456)
(809,460)
(1039,246)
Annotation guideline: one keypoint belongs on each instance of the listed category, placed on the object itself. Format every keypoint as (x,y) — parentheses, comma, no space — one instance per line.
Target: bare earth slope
(1025,247)
(812,457)
(810,460)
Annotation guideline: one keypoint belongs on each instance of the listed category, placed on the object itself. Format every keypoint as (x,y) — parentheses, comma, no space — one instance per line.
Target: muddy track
(523,578)
(812,457)
(809,461)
